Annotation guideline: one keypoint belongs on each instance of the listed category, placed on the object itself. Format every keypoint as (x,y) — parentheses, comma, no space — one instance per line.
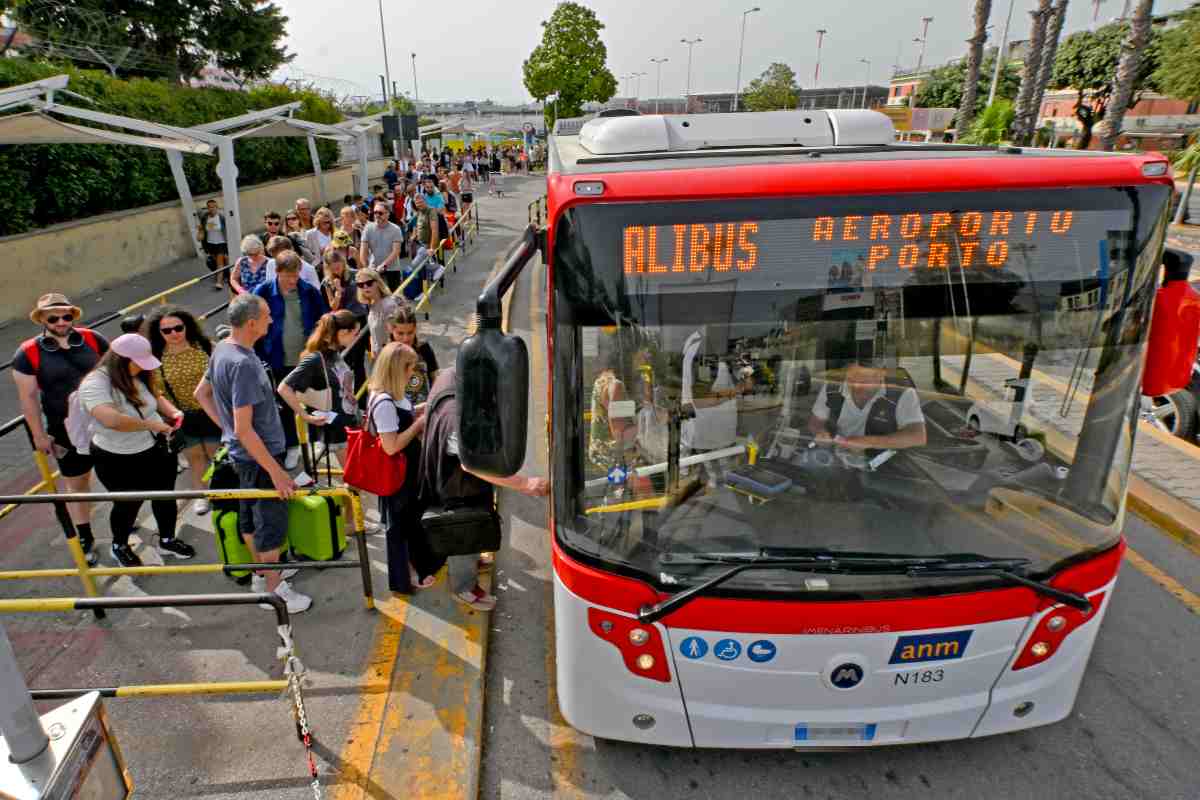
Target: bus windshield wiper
(830,561)
(809,560)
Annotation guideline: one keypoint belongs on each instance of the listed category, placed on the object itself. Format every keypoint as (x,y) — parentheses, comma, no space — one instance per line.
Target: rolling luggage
(316,528)
(230,546)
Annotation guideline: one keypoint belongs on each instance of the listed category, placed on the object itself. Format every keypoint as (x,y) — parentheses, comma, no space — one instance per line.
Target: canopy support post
(191,221)
(227,172)
(362,164)
(316,162)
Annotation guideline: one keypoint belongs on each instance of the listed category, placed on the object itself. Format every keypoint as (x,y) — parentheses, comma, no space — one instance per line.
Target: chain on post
(293,669)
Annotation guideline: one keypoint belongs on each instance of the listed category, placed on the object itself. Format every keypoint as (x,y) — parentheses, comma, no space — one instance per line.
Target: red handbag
(367,466)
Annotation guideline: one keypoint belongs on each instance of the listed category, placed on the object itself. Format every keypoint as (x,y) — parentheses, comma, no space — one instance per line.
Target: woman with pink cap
(130,442)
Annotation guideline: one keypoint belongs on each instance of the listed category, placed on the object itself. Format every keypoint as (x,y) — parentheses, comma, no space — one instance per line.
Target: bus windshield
(911,375)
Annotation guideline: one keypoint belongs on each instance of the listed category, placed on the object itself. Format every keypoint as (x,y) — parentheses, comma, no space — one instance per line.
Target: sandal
(419,583)
(477,599)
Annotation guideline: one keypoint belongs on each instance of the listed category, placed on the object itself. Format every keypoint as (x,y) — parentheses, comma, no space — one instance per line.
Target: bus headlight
(645,662)
(639,636)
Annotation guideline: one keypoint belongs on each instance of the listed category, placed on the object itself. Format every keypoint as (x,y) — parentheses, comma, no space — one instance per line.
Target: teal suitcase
(230,545)
(316,528)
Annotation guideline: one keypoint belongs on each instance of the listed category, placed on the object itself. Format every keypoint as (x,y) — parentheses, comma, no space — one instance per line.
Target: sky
(473,49)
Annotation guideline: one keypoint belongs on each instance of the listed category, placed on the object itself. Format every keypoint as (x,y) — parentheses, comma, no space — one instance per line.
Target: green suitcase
(230,545)
(316,528)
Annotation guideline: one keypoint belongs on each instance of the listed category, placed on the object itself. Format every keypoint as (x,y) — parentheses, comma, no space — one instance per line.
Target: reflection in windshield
(856,408)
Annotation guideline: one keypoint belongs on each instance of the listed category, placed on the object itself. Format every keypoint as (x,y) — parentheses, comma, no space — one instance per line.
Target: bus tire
(1175,413)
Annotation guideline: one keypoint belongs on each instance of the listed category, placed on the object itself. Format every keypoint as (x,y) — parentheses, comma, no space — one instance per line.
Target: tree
(1127,73)
(1024,122)
(569,64)
(990,127)
(153,38)
(970,91)
(943,88)
(1087,62)
(1178,73)
(1049,53)
(776,88)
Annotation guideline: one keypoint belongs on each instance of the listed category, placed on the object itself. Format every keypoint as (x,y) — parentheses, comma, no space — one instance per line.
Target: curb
(1167,513)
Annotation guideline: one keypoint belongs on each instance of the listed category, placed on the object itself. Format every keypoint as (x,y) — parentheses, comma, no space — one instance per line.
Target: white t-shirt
(384,418)
(213,234)
(96,390)
(308,273)
(714,426)
(853,420)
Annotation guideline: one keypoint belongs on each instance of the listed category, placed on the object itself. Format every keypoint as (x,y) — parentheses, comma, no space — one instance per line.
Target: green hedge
(42,185)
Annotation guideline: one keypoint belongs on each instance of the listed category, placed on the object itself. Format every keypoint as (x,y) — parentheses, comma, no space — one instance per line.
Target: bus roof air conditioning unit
(684,132)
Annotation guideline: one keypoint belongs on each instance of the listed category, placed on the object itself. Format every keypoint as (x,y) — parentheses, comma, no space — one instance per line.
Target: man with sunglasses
(273,223)
(52,365)
(382,242)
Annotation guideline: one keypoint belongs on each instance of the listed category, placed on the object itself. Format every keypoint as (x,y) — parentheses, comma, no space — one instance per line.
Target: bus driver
(865,413)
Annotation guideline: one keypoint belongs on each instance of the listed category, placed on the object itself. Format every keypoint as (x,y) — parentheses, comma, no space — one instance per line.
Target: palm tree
(966,111)
(1049,51)
(1127,72)
(1023,124)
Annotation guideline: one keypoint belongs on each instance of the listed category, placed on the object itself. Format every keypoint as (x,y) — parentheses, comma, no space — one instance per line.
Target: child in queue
(402,328)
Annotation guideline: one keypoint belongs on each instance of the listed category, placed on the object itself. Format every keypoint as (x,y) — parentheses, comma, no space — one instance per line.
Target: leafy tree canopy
(1087,61)
(1178,73)
(570,63)
(172,38)
(943,88)
(776,88)
(991,126)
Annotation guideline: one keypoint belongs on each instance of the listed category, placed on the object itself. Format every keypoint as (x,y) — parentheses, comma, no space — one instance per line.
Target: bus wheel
(1174,413)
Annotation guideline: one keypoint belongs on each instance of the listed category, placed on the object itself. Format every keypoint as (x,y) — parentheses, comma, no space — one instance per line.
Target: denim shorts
(266,519)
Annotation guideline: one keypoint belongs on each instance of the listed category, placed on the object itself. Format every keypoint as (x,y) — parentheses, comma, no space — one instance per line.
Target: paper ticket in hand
(328,416)
(302,479)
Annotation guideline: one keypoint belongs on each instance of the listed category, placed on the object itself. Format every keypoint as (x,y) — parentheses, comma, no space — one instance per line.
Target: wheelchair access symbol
(727,649)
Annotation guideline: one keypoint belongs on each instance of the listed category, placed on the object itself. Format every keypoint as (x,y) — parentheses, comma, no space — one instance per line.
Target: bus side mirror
(492,378)
(1174,328)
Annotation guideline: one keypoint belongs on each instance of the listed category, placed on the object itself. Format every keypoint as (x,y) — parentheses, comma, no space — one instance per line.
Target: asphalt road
(1135,731)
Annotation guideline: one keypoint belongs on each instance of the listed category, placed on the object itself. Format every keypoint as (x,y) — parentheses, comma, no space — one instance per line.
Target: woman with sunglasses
(377,297)
(349,225)
(250,271)
(130,445)
(323,381)
(177,340)
(321,235)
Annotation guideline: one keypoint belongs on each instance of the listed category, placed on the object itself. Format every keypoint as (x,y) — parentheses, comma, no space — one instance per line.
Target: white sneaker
(292,459)
(202,506)
(258,584)
(296,603)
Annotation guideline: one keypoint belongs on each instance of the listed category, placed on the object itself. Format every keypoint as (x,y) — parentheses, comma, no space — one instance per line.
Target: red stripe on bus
(619,593)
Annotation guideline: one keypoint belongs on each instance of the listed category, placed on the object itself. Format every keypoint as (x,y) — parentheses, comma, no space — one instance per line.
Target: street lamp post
(817,72)
(658,92)
(867,82)
(1000,54)
(912,98)
(690,43)
(637,94)
(416,94)
(738,86)
(387,73)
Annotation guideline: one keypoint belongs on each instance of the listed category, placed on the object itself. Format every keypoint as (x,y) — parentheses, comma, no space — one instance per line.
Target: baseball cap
(136,348)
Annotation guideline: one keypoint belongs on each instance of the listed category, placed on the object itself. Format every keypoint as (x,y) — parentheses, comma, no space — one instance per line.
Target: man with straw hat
(47,369)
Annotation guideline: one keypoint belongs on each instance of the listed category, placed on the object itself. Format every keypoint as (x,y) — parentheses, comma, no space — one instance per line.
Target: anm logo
(930,647)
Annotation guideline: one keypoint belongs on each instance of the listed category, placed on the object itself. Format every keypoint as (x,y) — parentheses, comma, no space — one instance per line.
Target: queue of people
(314,314)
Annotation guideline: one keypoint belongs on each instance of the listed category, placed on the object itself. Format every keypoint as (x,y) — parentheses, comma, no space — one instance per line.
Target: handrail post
(68,526)
(358,519)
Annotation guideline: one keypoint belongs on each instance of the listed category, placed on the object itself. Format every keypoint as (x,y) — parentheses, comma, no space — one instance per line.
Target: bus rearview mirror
(492,386)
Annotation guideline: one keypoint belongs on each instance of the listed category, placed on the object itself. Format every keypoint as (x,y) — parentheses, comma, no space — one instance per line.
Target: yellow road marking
(367,724)
(1173,587)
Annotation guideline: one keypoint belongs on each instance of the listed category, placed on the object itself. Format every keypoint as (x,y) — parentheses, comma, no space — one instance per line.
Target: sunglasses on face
(172,329)
(54,319)
(367,284)
(381,213)
(271,222)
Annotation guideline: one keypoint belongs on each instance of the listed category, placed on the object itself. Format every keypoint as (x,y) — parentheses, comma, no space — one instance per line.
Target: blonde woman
(321,234)
(374,293)
(399,425)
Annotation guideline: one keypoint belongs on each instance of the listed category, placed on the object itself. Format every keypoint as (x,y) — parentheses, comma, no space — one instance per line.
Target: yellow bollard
(77,554)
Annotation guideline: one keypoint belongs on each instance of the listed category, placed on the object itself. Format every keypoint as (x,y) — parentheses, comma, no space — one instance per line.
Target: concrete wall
(78,257)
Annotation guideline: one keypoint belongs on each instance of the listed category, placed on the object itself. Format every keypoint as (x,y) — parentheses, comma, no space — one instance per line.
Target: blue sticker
(761,652)
(930,647)
(727,649)
(693,647)
(617,476)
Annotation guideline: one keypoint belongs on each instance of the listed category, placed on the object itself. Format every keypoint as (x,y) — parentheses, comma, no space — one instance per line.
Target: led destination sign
(972,241)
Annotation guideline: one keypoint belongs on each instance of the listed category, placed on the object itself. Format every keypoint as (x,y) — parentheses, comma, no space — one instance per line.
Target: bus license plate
(861,732)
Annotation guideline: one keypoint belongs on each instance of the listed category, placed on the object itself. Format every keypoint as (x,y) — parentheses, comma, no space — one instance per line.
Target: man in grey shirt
(382,243)
(238,395)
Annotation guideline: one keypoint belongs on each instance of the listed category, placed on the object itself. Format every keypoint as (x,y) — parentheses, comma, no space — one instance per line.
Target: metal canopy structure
(39,122)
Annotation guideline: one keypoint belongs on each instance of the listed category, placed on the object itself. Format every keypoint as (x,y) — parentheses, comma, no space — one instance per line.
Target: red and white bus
(776,521)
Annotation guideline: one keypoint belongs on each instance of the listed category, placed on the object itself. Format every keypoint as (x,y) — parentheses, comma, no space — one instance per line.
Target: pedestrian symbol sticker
(727,649)
(693,647)
(761,652)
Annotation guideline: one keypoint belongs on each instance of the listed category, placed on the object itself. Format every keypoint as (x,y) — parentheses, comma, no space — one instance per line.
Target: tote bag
(367,466)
